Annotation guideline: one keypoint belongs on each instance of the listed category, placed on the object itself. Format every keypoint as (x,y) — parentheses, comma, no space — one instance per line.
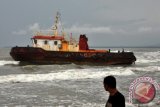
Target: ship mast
(56,25)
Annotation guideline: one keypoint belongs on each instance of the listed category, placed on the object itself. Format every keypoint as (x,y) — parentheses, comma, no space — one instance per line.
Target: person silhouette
(116,99)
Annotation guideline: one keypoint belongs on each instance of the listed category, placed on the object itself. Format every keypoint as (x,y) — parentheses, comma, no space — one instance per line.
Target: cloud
(145,29)
(89,29)
(20,32)
(30,29)
(121,31)
(77,29)
(34,27)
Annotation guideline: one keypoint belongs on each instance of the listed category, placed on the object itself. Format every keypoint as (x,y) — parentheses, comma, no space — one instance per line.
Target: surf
(70,74)
(6,62)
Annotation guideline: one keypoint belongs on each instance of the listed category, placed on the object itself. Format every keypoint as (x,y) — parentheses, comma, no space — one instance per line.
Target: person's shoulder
(119,100)
(120,94)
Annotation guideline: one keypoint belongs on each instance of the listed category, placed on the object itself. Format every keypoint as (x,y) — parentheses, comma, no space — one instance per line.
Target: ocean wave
(156,53)
(146,69)
(5,62)
(147,60)
(148,57)
(71,74)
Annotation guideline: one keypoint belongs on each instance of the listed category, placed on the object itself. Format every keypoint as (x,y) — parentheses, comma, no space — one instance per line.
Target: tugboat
(57,49)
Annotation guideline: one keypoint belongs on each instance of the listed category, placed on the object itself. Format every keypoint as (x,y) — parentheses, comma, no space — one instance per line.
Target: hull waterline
(34,55)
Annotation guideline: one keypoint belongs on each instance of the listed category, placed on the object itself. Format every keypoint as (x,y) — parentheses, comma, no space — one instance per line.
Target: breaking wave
(5,62)
(148,57)
(71,74)
(147,69)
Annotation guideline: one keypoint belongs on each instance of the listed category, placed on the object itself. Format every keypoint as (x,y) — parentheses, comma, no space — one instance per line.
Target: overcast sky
(105,22)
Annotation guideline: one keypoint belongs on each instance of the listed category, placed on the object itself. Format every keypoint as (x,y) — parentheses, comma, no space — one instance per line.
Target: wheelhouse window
(55,43)
(45,42)
(35,41)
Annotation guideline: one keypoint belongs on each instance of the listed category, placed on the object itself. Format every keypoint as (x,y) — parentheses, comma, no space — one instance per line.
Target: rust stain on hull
(40,56)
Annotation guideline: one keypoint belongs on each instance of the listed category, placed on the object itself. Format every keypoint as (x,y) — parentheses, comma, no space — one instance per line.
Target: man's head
(109,82)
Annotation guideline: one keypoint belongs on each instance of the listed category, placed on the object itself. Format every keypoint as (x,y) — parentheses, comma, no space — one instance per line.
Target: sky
(106,23)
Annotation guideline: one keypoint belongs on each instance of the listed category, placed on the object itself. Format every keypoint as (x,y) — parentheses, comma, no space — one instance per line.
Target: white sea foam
(4,62)
(129,105)
(146,69)
(145,61)
(154,54)
(148,57)
(71,74)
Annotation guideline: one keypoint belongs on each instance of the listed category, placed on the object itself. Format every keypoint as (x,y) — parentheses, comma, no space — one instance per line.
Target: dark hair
(110,81)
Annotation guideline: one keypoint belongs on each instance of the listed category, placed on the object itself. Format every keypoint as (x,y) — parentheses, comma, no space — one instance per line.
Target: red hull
(40,56)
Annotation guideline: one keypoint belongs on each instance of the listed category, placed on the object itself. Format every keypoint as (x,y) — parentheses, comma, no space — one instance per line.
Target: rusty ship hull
(36,55)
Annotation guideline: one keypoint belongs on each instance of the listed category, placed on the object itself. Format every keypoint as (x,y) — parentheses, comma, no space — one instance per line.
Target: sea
(71,85)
